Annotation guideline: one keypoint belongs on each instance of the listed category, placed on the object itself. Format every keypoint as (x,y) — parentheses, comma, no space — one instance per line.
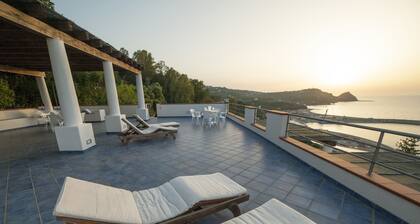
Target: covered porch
(36,41)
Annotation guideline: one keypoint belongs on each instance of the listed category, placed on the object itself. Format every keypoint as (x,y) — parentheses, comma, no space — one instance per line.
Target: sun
(338,71)
(340,64)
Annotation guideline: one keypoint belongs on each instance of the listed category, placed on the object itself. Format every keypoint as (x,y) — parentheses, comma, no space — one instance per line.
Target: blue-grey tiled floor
(32,171)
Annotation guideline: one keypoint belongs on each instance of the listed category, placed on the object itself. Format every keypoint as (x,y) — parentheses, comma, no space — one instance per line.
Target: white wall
(128,110)
(183,110)
(396,205)
(19,113)
(20,118)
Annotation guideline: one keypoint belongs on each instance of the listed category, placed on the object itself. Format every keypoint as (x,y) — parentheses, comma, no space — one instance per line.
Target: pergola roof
(24,27)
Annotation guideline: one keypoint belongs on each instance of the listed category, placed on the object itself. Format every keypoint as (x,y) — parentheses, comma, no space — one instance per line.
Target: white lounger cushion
(90,201)
(271,212)
(153,129)
(182,193)
(159,203)
(194,189)
(166,124)
(86,200)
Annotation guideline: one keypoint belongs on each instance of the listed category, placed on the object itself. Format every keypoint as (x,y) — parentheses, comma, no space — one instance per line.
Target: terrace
(256,153)
(31,172)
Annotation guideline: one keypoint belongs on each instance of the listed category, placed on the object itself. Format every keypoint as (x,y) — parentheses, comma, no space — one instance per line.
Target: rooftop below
(32,172)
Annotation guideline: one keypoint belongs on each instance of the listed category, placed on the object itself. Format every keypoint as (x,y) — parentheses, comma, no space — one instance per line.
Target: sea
(388,107)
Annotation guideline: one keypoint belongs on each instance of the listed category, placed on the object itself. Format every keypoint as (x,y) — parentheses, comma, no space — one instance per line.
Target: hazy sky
(369,47)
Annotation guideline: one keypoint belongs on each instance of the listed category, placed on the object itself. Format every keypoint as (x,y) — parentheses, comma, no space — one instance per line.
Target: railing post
(376,153)
(276,124)
(250,113)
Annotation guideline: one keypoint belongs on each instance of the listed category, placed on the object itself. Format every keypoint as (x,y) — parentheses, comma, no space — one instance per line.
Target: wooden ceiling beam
(21,71)
(29,22)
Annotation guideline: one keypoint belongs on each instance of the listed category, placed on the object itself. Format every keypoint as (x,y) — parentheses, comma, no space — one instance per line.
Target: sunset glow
(367,47)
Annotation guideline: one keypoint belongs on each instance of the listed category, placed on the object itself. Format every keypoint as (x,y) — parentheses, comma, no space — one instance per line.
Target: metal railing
(371,154)
(376,155)
(260,117)
(237,109)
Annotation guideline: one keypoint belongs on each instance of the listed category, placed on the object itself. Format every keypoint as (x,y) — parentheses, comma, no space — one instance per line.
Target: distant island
(286,100)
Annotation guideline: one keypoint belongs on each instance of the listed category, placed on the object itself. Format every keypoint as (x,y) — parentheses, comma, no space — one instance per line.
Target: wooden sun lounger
(143,124)
(134,133)
(200,211)
(78,198)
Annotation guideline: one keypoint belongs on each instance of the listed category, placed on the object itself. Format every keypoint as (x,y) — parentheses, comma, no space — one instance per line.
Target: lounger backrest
(139,119)
(132,126)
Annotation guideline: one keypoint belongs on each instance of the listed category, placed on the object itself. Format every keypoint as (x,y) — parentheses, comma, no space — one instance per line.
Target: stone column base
(144,113)
(75,138)
(114,124)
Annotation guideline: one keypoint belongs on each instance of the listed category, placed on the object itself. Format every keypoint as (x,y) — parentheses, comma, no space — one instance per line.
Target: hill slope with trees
(287,100)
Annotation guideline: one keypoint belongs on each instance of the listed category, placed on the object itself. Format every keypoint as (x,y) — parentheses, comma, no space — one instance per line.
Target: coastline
(349,139)
(309,113)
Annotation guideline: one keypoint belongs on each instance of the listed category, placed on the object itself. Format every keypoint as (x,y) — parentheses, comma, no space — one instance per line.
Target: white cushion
(90,201)
(153,129)
(182,193)
(150,130)
(166,124)
(158,204)
(194,189)
(271,212)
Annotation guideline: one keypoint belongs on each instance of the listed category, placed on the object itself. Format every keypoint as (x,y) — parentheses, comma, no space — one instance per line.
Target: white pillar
(45,96)
(250,113)
(113,121)
(74,135)
(276,124)
(141,105)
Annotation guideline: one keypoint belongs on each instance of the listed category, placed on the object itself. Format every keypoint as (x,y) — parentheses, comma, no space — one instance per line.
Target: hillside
(286,100)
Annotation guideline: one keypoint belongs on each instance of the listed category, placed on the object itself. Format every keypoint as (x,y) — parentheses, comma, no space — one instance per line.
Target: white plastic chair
(55,120)
(192,112)
(209,118)
(222,116)
(195,115)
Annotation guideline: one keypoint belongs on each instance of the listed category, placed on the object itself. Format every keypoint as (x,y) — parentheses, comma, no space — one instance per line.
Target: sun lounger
(271,212)
(181,200)
(134,133)
(143,123)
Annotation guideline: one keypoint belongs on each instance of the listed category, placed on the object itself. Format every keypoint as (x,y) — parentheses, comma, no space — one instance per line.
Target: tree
(146,59)
(47,3)
(7,95)
(177,88)
(201,94)
(409,145)
(124,51)
(25,90)
(127,94)
(153,95)
(161,84)
(90,88)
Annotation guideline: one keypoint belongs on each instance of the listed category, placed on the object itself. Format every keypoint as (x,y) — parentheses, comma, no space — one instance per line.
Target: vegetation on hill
(7,95)
(162,84)
(288,100)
